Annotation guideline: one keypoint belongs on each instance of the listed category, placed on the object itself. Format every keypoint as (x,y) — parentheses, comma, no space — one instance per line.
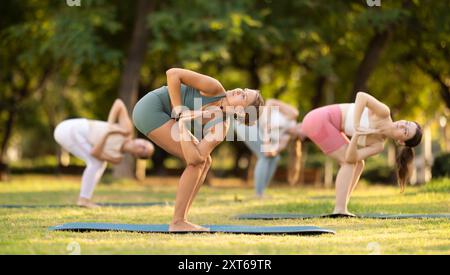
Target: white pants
(72,135)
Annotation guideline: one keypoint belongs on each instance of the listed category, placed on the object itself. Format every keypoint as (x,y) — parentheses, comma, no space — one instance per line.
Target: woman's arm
(353,154)
(284,141)
(195,80)
(119,114)
(110,159)
(280,146)
(366,100)
(97,150)
(263,123)
(194,151)
(289,111)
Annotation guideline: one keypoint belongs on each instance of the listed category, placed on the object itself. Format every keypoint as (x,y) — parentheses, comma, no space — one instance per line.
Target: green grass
(24,231)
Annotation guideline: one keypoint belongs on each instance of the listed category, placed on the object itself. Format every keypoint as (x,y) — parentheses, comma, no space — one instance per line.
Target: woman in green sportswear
(165,115)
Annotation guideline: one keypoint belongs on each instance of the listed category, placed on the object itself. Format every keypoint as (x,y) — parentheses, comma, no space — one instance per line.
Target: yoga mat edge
(163,228)
(360,216)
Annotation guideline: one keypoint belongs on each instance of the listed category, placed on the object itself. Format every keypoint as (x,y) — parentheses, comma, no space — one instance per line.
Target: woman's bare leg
(343,185)
(343,180)
(200,182)
(356,175)
(188,180)
(185,193)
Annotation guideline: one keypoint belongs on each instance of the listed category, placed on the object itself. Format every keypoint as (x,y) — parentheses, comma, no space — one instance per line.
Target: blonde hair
(257,103)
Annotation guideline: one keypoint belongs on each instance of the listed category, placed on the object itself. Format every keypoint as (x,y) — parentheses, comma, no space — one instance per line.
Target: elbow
(119,102)
(360,95)
(172,72)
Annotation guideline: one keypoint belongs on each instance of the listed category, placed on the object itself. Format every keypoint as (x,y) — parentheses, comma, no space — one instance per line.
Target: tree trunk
(4,145)
(445,92)
(444,88)
(129,82)
(242,151)
(320,88)
(370,60)
(255,81)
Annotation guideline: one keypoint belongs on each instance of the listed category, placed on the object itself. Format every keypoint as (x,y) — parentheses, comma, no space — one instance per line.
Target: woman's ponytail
(404,161)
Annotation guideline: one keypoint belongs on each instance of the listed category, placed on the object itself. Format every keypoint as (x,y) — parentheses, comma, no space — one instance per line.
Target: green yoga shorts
(150,113)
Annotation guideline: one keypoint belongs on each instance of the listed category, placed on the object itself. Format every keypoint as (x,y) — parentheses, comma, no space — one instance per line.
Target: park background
(60,60)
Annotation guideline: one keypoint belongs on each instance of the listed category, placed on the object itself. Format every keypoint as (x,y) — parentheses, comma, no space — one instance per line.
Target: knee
(360,164)
(342,161)
(95,164)
(208,161)
(197,162)
(151,149)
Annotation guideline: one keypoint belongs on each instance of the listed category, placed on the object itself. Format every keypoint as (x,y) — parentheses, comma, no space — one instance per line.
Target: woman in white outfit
(99,142)
(268,138)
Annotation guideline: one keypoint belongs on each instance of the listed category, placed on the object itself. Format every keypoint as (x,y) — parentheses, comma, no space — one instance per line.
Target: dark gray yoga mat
(105,204)
(164,228)
(361,216)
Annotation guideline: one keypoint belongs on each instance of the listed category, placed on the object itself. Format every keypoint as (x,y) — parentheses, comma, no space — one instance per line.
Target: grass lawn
(24,231)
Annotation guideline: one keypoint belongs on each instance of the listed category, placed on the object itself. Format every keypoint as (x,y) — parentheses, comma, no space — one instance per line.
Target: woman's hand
(191,115)
(112,160)
(271,154)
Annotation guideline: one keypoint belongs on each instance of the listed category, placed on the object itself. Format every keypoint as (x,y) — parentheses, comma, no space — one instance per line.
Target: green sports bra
(188,96)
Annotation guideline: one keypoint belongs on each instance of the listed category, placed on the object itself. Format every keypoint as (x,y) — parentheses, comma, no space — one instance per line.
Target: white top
(279,124)
(349,127)
(114,142)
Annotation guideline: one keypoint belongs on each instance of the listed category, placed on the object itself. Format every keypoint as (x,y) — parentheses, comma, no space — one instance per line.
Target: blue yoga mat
(105,204)
(164,228)
(361,216)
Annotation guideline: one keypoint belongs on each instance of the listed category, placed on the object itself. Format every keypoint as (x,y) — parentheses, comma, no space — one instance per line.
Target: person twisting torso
(98,143)
(267,139)
(165,115)
(369,124)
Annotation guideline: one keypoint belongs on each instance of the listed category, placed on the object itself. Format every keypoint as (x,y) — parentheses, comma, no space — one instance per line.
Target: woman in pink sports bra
(368,122)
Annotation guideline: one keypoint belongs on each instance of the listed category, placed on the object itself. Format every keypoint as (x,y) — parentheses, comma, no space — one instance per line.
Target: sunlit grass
(24,231)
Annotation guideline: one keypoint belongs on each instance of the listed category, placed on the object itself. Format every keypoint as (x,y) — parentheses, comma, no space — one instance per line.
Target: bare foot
(87,203)
(185,226)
